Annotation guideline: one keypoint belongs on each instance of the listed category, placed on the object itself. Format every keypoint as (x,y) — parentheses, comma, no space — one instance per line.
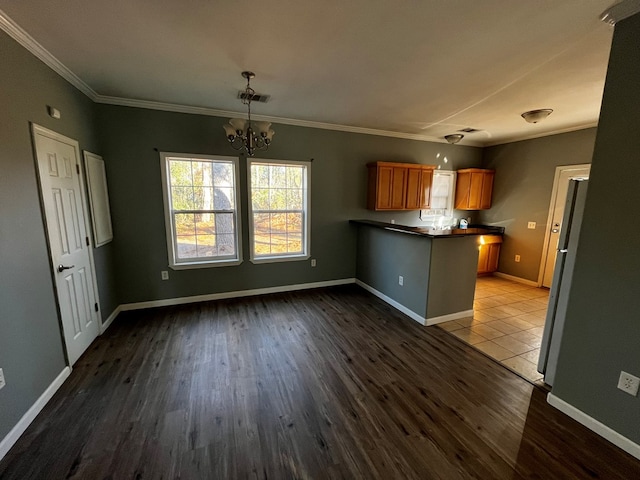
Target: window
(201,210)
(442,192)
(279,210)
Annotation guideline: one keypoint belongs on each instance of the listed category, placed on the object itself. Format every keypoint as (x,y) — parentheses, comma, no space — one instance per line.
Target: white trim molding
(107,323)
(15,433)
(594,425)
(409,313)
(449,317)
(237,294)
(523,281)
(16,32)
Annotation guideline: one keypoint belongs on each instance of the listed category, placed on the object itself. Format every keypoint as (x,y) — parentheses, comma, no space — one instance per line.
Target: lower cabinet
(489,253)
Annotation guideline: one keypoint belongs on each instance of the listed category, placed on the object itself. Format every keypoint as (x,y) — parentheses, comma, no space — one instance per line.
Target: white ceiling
(414,68)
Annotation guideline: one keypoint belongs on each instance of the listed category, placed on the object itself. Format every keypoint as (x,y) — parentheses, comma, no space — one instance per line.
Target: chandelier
(245,134)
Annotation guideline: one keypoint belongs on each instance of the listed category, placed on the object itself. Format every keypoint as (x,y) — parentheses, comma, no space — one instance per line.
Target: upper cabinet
(474,187)
(399,186)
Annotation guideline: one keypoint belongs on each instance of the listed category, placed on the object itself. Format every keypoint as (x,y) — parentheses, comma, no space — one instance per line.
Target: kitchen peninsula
(430,275)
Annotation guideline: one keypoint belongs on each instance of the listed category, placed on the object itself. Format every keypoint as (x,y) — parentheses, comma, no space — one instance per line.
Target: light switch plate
(2,382)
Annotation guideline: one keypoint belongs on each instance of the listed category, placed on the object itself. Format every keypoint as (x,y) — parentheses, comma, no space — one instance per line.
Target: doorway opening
(554,220)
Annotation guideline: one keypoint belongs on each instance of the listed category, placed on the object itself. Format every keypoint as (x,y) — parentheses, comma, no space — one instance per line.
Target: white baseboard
(409,313)
(524,281)
(237,294)
(15,433)
(594,425)
(107,323)
(449,317)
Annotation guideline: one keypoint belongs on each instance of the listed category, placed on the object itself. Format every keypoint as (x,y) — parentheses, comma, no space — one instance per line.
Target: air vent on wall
(256,97)
(469,130)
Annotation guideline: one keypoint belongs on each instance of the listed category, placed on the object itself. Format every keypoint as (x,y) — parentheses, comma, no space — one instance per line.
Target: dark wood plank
(328,383)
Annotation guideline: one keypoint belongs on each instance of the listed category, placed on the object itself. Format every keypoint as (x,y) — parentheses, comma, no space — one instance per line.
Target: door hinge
(87,239)
(96,306)
(78,168)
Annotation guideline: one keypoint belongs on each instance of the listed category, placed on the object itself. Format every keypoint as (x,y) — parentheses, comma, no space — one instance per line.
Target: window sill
(192,265)
(292,258)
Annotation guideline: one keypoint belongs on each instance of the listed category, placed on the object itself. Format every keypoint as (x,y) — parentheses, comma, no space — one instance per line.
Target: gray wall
(602,330)
(383,256)
(522,192)
(31,349)
(338,194)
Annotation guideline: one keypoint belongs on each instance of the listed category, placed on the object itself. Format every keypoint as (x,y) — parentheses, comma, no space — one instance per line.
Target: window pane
(294,177)
(261,233)
(206,245)
(294,199)
(203,198)
(226,245)
(186,246)
(259,175)
(205,223)
(223,199)
(294,222)
(182,198)
(184,223)
(180,172)
(278,199)
(278,178)
(223,174)
(224,223)
(294,244)
(260,199)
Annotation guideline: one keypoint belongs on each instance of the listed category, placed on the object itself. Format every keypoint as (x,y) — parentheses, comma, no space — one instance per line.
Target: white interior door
(556,211)
(63,198)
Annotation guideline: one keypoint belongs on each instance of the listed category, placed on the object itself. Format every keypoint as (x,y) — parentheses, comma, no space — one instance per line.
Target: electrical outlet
(2,382)
(531,225)
(517,258)
(393,221)
(164,275)
(401,280)
(629,383)
(313,262)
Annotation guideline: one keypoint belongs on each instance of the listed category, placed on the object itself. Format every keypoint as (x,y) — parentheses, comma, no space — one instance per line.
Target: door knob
(62,268)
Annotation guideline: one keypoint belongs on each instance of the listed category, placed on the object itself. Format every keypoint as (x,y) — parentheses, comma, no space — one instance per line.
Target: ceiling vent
(256,97)
(469,130)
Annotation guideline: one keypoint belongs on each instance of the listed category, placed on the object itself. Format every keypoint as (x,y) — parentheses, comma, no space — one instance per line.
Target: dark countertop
(430,233)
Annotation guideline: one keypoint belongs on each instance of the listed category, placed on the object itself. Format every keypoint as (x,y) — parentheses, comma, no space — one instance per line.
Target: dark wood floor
(317,384)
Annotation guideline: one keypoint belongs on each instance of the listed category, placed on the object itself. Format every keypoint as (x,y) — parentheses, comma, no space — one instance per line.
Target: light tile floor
(508,319)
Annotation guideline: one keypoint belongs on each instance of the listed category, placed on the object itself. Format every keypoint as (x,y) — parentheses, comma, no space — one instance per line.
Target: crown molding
(546,133)
(172,107)
(27,41)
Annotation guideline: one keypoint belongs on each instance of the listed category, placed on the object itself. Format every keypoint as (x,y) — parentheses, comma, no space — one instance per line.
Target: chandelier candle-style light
(245,134)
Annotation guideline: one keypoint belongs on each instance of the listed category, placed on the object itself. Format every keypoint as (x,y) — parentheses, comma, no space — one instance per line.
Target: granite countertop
(431,233)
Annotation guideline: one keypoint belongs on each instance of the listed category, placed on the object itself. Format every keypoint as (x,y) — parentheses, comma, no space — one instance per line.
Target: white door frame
(552,203)
(37,129)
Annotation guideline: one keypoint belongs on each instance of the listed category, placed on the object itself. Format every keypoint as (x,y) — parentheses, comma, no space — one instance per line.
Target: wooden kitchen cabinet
(399,186)
(474,188)
(488,253)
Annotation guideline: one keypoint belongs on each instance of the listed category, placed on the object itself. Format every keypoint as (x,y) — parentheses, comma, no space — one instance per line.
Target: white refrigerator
(562,277)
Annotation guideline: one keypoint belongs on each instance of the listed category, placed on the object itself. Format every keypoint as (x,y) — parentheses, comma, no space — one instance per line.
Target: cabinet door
(462,191)
(487,190)
(398,188)
(475,191)
(414,188)
(383,188)
(426,180)
(493,257)
(483,258)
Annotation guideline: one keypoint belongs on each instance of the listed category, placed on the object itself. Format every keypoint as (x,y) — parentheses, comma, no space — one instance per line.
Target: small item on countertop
(463,223)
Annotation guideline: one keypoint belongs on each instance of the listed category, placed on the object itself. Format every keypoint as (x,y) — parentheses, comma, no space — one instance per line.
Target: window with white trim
(440,215)
(279,210)
(201,210)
